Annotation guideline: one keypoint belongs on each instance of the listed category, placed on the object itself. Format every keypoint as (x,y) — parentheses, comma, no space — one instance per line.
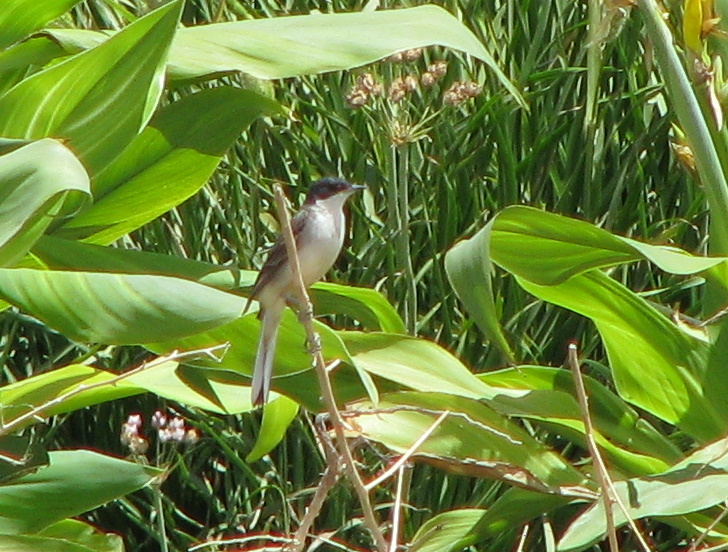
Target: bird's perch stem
(306,317)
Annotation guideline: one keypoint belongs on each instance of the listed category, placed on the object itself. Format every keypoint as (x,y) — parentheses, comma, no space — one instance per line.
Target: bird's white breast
(322,238)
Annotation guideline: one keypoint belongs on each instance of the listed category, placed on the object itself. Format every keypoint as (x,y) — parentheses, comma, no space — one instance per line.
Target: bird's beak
(357,187)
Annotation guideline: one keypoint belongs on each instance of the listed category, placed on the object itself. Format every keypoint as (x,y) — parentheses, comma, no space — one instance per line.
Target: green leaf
(289,46)
(19,455)
(18,18)
(633,445)
(469,270)
(21,397)
(39,182)
(472,440)
(366,305)
(97,100)
(547,249)
(277,416)
(85,535)
(439,532)
(118,308)
(293,372)
(33,543)
(656,366)
(509,512)
(697,482)
(414,363)
(167,163)
(74,482)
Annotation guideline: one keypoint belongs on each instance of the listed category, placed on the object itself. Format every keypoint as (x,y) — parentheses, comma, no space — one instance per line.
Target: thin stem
(161,524)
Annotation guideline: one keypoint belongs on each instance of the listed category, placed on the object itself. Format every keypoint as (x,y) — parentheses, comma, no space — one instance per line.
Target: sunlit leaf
(18,18)
(277,416)
(39,181)
(473,439)
(697,482)
(632,444)
(167,163)
(100,99)
(439,532)
(118,308)
(76,481)
(282,47)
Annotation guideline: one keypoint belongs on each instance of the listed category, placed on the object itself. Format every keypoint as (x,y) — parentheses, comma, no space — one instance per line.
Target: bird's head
(328,187)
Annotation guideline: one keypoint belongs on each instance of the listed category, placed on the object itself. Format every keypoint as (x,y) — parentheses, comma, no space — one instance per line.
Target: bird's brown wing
(278,256)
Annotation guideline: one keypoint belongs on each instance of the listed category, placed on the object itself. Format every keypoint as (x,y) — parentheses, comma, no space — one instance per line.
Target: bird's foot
(313,345)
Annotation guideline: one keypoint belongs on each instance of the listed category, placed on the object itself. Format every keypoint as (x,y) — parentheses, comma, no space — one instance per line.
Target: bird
(318,228)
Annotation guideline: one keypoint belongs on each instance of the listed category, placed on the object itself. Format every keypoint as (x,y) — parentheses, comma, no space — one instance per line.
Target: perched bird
(318,228)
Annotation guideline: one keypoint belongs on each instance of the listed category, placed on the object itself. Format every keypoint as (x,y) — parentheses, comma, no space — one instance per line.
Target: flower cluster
(130,437)
(408,55)
(366,86)
(435,71)
(168,431)
(174,430)
(460,92)
(402,86)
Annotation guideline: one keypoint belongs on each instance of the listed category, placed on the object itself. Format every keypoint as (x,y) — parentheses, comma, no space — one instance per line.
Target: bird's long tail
(263,372)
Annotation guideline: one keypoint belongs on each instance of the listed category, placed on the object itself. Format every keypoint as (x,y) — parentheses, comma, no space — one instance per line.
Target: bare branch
(314,341)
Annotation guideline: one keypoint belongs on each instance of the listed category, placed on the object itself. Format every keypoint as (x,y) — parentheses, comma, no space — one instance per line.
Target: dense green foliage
(137,167)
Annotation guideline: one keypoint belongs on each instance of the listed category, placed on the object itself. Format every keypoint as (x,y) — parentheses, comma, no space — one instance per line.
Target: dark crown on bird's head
(327,187)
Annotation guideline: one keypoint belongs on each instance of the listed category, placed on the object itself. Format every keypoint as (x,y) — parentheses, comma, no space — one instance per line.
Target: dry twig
(606,486)
(306,318)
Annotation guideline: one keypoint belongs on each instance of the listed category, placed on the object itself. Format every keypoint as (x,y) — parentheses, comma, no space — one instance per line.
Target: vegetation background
(594,138)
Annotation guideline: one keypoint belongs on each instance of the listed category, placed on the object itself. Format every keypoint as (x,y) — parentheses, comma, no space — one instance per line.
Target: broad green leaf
(416,364)
(469,270)
(293,373)
(118,308)
(37,51)
(439,532)
(19,398)
(61,254)
(697,482)
(39,181)
(277,416)
(547,249)
(656,366)
(508,513)
(633,445)
(84,534)
(20,455)
(289,46)
(473,439)
(220,391)
(167,163)
(97,100)
(306,44)
(76,386)
(367,306)
(34,543)
(19,18)
(75,482)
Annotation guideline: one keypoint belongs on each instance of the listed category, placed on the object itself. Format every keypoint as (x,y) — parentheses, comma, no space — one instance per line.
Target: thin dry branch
(314,341)
(606,486)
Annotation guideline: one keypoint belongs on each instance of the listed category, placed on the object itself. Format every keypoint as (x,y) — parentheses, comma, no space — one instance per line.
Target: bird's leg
(305,314)
(314,345)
